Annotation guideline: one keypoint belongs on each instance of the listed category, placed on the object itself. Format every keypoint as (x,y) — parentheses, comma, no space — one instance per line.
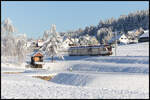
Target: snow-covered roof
(39,63)
(36,53)
(132,31)
(146,34)
(115,38)
(65,38)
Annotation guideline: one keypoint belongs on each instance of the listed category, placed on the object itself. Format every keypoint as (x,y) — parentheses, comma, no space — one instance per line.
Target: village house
(132,39)
(33,43)
(133,35)
(93,41)
(144,37)
(39,43)
(84,40)
(70,41)
(120,38)
(67,41)
(28,44)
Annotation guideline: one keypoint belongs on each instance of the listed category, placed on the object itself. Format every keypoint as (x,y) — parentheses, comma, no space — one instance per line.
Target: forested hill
(134,20)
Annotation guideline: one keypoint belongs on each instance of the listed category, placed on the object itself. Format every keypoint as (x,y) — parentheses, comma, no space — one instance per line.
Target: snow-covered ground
(140,49)
(123,76)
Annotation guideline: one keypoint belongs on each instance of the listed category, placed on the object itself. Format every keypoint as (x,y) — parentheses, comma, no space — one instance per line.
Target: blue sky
(34,17)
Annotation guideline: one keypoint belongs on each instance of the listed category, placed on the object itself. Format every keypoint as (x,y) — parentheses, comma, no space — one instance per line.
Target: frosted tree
(104,34)
(101,34)
(53,44)
(45,35)
(108,36)
(21,49)
(8,26)
(10,42)
(7,38)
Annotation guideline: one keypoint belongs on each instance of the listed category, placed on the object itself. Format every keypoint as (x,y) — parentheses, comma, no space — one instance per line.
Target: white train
(103,50)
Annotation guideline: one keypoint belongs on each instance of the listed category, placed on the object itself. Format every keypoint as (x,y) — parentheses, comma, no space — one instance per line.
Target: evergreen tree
(53,44)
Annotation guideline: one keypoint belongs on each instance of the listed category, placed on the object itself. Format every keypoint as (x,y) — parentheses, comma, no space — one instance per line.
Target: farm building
(144,37)
(36,58)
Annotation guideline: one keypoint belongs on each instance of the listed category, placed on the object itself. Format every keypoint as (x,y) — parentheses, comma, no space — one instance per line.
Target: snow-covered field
(123,76)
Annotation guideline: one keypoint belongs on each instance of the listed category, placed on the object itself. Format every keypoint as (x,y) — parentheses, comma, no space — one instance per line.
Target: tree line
(105,28)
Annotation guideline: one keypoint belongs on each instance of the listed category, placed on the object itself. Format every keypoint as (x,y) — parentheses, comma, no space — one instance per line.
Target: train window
(104,49)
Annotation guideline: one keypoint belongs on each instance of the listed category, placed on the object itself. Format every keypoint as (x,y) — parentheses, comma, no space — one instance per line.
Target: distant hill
(106,28)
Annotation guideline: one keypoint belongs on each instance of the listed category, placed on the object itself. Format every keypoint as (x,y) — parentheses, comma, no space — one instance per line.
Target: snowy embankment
(20,86)
(109,72)
(118,76)
(116,81)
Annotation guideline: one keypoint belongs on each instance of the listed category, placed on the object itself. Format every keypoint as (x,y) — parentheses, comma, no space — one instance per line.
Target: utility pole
(115,43)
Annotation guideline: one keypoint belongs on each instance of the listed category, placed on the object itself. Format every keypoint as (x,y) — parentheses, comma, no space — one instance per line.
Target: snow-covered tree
(53,44)
(11,44)
(45,35)
(7,37)
(21,48)
(8,27)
